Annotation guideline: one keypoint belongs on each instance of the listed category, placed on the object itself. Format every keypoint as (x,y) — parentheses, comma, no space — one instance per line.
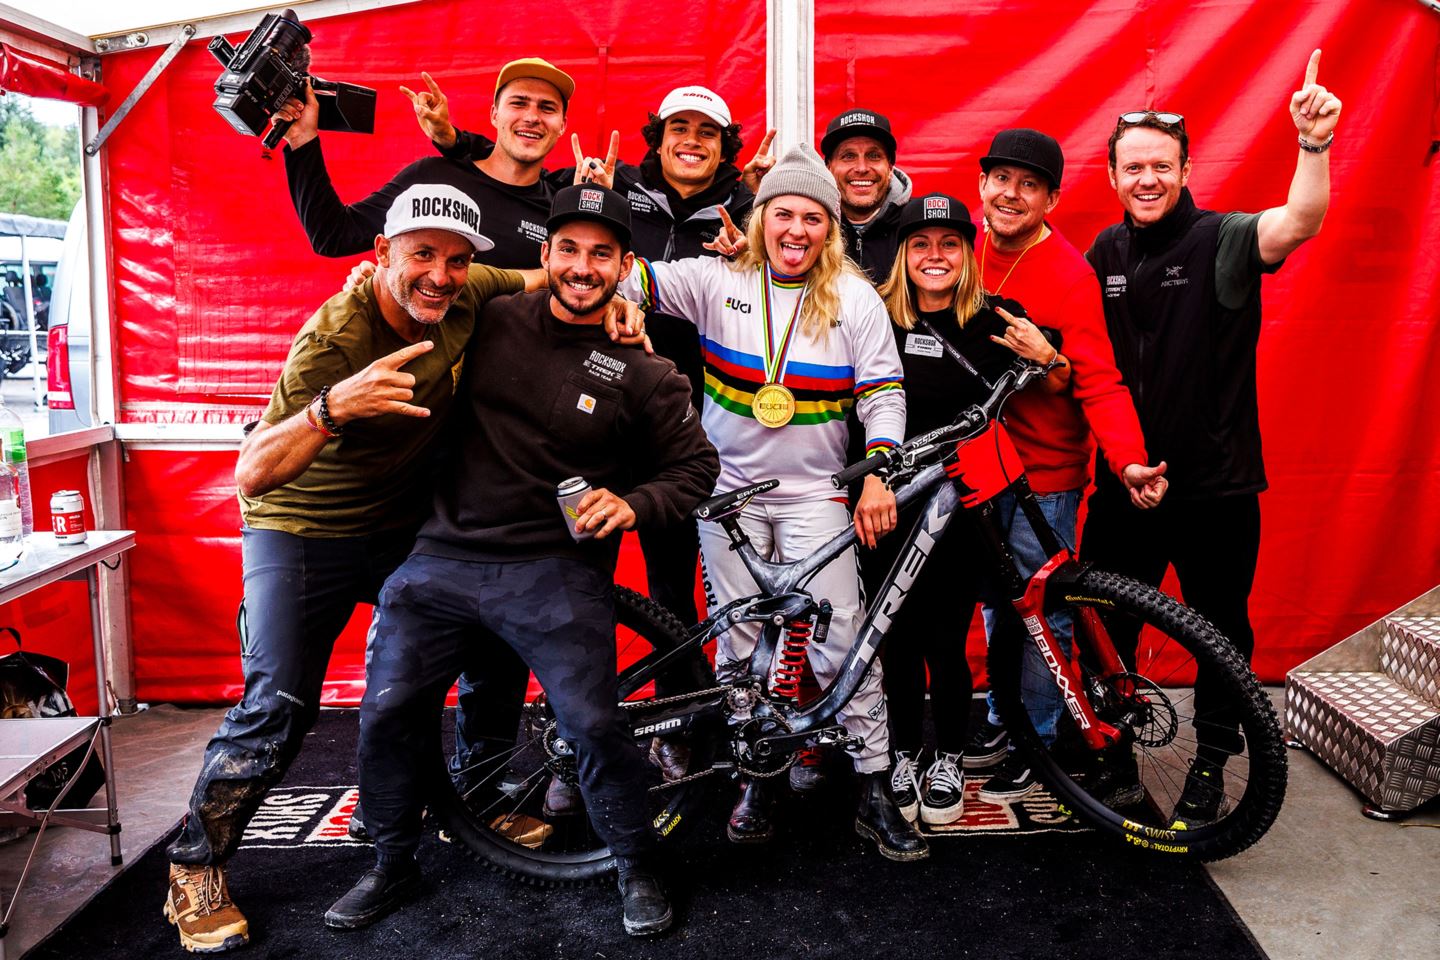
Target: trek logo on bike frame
(1036,628)
(909,568)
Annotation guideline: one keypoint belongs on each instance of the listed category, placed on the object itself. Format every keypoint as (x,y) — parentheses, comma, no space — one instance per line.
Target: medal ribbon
(775,361)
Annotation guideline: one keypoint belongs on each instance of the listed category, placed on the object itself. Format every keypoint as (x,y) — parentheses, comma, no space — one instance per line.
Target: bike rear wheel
(500,813)
(1187,762)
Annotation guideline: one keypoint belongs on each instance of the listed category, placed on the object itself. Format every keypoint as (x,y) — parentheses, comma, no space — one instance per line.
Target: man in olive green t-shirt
(333,483)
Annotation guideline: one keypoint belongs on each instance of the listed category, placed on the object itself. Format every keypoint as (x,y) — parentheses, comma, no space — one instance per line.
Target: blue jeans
(1041,696)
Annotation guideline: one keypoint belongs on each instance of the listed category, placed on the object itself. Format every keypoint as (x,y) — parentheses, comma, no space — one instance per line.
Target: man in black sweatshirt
(550,397)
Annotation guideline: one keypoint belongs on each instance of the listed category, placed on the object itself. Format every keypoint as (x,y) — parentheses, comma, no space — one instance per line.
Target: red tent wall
(213,275)
(1348,398)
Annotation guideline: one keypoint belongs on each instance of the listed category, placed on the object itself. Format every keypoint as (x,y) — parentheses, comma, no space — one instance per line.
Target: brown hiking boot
(199,905)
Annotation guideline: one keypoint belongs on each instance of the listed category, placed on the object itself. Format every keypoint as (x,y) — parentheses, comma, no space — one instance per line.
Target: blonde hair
(898,291)
(822,281)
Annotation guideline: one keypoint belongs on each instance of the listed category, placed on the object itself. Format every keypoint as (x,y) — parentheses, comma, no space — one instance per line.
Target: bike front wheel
(1196,777)
(504,808)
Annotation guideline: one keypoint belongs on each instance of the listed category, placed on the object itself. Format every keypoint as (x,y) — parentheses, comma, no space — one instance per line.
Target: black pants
(435,615)
(930,631)
(671,555)
(1214,545)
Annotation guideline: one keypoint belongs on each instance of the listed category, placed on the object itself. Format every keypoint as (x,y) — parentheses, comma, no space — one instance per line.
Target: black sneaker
(1012,780)
(356,827)
(942,794)
(647,909)
(903,788)
(378,892)
(987,746)
(1200,800)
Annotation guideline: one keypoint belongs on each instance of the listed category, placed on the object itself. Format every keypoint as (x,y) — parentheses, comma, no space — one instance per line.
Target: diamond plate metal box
(1369,706)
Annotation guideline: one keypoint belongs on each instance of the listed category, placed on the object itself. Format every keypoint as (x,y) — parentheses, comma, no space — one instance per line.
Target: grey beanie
(801,173)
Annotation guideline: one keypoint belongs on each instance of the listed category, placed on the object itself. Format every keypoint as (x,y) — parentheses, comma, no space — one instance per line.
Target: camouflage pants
(558,615)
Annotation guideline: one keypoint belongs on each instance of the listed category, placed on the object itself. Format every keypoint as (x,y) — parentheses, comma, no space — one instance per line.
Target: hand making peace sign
(759,164)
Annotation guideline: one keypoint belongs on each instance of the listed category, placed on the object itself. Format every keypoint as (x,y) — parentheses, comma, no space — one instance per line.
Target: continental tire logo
(1094,601)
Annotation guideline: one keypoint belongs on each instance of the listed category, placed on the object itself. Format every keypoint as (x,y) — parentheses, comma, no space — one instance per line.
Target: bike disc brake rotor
(1133,701)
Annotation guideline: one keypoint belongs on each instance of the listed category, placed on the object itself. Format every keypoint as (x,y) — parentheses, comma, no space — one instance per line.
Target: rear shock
(790,665)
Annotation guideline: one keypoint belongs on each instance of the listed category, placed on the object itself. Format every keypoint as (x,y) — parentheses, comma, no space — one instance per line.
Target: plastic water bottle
(12,437)
(12,534)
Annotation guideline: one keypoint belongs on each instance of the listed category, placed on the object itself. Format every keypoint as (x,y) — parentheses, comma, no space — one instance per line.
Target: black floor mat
(818,891)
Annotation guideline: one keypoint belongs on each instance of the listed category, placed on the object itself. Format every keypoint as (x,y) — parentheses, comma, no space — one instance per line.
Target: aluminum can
(67,516)
(568,495)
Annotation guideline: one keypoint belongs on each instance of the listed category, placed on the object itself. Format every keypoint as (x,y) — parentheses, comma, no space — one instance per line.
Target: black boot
(647,909)
(379,891)
(879,819)
(750,820)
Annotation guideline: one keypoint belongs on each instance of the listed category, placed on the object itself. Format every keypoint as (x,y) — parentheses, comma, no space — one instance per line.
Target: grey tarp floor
(1325,883)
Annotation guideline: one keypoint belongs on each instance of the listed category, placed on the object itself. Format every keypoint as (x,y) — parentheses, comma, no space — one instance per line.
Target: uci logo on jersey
(734,303)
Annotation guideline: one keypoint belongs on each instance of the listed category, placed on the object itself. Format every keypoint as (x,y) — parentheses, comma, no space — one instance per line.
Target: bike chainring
(747,735)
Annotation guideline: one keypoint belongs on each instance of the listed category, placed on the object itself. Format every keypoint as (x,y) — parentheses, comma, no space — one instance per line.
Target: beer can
(568,495)
(67,516)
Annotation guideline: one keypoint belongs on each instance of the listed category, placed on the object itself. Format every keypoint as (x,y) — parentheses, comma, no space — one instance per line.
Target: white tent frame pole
(790,71)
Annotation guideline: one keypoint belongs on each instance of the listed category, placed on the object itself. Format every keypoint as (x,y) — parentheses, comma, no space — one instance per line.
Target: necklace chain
(986,248)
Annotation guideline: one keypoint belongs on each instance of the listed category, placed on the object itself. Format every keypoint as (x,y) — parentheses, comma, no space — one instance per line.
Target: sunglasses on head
(1154,116)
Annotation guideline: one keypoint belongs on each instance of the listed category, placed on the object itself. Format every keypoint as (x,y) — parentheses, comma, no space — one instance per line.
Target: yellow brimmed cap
(540,70)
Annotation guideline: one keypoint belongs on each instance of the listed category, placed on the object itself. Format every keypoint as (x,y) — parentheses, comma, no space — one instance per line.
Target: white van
(67,362)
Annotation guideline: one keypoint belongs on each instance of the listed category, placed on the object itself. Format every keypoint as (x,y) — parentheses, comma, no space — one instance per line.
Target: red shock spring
(792,659)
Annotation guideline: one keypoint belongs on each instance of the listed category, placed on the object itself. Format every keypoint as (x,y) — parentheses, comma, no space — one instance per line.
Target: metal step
(1410,654)
(1371,730)
(1369,706)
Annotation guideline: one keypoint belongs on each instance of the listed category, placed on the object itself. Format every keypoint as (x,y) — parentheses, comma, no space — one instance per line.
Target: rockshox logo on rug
(303,817)
(1038,813)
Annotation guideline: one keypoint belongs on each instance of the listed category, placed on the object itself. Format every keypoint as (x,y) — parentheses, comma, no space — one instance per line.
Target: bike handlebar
(1014,379)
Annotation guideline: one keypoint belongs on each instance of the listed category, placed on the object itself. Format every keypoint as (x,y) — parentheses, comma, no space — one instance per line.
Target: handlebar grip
(855,471)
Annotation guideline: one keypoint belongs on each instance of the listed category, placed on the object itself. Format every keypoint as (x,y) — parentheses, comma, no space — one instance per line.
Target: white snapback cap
(436,206)
(698,99)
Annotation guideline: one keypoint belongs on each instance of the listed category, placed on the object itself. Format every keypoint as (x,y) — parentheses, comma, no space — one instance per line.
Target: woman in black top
(940,314)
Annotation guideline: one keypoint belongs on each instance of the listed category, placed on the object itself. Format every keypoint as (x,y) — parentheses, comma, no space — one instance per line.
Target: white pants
(782,532)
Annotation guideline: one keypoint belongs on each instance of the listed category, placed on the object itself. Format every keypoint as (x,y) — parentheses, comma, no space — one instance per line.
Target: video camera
(270,67)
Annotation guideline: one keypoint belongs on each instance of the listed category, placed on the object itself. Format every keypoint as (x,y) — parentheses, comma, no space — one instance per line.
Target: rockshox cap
(858,123)
(935,210)
(587,201)
(436,206)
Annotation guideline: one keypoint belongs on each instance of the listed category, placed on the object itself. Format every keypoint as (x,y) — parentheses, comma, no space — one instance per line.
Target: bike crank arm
(782,743)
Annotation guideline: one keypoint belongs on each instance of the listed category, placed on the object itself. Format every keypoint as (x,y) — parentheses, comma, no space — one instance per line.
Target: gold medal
(774,405)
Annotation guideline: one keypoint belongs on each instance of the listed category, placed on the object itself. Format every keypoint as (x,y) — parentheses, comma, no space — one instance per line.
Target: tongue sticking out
(791,258)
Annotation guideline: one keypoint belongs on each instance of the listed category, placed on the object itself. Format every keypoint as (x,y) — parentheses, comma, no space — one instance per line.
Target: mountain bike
(1139,716)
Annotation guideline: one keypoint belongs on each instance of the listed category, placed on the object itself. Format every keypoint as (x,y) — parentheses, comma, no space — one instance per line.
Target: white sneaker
(942,791)
(904,789)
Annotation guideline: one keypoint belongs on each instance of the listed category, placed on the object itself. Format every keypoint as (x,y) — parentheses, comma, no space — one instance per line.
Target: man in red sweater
(1023,258)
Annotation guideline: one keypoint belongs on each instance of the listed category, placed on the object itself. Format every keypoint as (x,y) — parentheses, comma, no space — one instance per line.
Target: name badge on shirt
(923,345)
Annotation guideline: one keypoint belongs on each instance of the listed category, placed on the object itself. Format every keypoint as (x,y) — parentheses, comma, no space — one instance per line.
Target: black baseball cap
(858,123)
(1027,148)
(588,201)
(935,210)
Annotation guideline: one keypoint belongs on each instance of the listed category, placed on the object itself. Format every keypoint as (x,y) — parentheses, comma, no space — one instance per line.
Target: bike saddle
(723,505)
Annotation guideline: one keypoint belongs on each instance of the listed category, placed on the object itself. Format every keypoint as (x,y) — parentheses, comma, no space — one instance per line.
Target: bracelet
(1309,147)
(314,424)
(330,426)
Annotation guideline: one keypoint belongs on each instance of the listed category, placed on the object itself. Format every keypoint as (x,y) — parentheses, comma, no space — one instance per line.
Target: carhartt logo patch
(586,404)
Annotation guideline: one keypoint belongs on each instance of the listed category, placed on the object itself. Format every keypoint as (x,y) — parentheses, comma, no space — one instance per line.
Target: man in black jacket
(859,149)
(675,193)
(1182,307)
(550,397)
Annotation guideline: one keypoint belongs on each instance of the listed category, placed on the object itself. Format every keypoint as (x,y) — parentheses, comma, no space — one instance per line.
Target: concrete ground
(1324,883)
